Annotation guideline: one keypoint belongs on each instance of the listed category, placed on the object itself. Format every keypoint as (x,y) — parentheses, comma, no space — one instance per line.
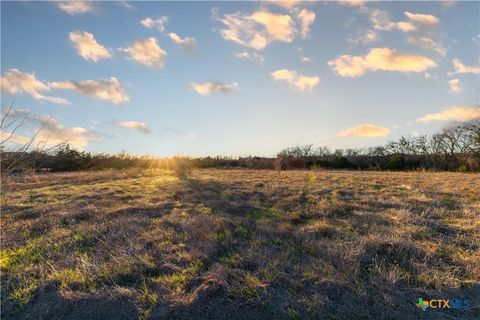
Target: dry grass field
(239,244)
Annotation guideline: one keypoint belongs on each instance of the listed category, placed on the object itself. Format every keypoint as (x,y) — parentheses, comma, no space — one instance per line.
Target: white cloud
(15,81)
(104,89)
(87,46)
(133,125)
(306,18)
(209,87)
(158,23)
(187,43)
(365,130)
(476,39)
(381,21)
(147,52)
(305,59)
(461,68)
(452,114)
(126,5)
(380,59)
(427,44)
(8,137)
(455,86)
(262,27)
(255,57)
(364,37)
(75,7)
(428,75)
(49,131)
(426,19)
(54,132)
(297,81)
(405,26)
(258,29)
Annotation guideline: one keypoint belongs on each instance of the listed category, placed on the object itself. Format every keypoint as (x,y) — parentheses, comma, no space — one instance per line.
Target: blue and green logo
(442,304)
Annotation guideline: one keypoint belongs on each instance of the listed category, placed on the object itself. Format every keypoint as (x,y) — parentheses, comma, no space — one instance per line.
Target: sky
(237,78)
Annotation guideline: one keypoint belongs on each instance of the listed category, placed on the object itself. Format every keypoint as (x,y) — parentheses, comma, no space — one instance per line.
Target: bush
(68,159)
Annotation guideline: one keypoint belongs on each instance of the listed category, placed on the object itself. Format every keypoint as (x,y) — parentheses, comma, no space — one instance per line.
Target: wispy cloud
(55,132)
(461,68)
(15,81)
(87,46)
(363,37)
(126,5)
(426,19)
(419,23)
(105,89)
(415,21)
(187,43)
(262,27)
(380,19)
(7,137)
(49,131)
(133,125)
(255,57)
(427,44)
(452,114)
(305,59)
(306,18)
(210,87)
(158,23)
(295,80)
(76,7)
(476,39)
(455,86)
(147,52)
(258,29)
(365,130)
(380,59)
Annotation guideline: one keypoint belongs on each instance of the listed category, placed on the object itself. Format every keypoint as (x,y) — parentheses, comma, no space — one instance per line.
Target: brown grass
(239,244)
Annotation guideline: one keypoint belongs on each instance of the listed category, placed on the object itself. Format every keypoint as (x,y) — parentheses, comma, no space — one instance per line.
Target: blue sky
(238,78)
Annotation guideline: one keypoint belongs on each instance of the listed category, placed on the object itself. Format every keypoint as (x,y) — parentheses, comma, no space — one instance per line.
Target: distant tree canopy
(69,159)
(455,148)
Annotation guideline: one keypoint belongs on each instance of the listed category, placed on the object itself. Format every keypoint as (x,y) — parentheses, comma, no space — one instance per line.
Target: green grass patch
(74,279)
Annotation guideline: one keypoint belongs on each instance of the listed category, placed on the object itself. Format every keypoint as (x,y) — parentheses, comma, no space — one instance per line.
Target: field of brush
(239,244)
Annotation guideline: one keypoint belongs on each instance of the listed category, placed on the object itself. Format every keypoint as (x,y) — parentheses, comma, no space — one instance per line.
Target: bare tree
(21,157)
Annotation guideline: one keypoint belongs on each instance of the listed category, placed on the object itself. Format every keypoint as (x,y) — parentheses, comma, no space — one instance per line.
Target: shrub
(68,159)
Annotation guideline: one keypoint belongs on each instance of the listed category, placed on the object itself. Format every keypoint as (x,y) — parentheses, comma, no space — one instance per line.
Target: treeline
(455,148)
(66,158)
